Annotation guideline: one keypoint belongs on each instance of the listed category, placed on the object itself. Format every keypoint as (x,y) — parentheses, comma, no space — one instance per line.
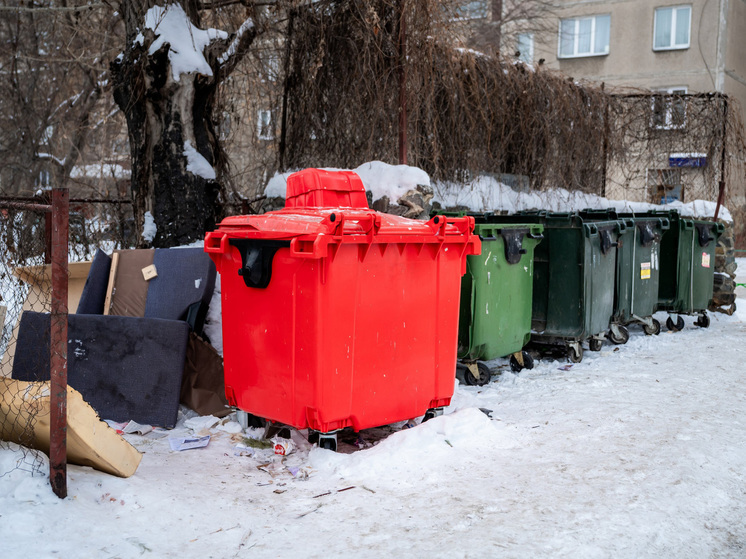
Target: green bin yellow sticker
(705,260)
(644,270)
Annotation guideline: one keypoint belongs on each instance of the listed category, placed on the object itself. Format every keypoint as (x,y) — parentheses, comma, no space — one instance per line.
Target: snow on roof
(171,25)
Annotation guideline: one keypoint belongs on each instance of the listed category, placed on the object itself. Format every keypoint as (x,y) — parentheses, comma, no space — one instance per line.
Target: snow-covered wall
(488,194)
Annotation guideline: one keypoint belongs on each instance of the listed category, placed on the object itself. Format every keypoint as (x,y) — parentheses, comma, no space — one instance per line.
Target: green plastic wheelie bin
(687,268)
(496,297)
(637,271)
(574,270)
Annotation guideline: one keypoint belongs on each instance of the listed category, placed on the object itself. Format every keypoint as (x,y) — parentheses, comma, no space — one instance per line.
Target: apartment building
(668,46)
(676,47)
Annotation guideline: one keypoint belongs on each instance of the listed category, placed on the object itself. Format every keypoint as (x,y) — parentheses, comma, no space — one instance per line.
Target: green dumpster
(687,268)
(496,296)
(637,271)
(574,270)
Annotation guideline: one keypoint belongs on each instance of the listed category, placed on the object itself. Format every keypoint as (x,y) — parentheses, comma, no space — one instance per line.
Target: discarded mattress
(126,368)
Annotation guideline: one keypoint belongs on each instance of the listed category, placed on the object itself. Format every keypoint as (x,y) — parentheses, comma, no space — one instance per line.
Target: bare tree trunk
(176,156)
(497,18)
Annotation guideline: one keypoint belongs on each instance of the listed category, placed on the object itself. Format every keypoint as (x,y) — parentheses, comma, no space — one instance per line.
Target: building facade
(678,48)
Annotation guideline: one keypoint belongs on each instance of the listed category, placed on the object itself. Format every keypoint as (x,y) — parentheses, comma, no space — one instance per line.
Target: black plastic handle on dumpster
(256,259)
(606,242)
(647,232)
(703,233)
(513,242)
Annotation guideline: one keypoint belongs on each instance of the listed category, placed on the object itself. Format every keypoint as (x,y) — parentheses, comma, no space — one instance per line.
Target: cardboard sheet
(130,290)
(90,441)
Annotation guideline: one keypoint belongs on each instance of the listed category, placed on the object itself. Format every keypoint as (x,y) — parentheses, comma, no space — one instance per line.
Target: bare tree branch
(236,49)
(53,9)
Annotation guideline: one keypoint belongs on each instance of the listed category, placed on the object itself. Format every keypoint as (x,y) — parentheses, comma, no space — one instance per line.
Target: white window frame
(475,9)
(270,67)
(224,126)
(673,45)
(260,120)
(669,123)
(576,36)
(44,180)
(47,135)
(526,57)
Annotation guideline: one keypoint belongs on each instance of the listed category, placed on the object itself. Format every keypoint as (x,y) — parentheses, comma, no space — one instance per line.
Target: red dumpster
(335,315)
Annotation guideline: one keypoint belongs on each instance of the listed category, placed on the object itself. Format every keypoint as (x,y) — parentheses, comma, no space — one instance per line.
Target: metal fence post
(58,344)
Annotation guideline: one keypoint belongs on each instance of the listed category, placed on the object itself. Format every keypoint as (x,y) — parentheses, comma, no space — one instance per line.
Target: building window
(224,126)
(270,64)
(525,47)
(44,179)
(584,36)
(265,125)
(665,186)
(672,28)
(46,136)
(669,109)
(472,10)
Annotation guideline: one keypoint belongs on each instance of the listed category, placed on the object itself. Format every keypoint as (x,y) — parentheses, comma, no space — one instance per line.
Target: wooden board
(90,441)
(112,276)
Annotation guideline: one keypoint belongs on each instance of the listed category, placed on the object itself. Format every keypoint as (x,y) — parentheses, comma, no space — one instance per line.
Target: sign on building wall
(687,160)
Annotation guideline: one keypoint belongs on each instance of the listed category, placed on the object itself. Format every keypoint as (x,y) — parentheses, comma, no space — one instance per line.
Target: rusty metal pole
(402,84)
(48,237)
(58,344)
(721,184)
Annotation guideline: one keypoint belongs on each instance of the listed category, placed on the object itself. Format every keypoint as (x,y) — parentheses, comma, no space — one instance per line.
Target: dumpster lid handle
(647,232)
(513,244)
(703,232)
(256,259)
(606,242)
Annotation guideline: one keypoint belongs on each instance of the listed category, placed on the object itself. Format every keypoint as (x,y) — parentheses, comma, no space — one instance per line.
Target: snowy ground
(638,451)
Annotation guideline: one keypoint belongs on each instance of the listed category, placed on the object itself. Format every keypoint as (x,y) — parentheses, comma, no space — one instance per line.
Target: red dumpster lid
(321,226)
(293,222)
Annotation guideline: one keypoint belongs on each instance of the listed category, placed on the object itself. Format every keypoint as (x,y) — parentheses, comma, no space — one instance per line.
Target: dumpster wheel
(703,321)
(595,344)
(528,362)
(485,375)
(653,330)
(618,334)
(477,374)
(575,353)
(432,413)
(675,327)
(324,440)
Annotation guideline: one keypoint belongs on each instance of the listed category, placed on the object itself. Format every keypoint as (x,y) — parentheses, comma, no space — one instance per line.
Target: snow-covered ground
(638,451)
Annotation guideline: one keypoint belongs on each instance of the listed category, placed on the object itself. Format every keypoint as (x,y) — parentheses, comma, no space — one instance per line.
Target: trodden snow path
(638,451)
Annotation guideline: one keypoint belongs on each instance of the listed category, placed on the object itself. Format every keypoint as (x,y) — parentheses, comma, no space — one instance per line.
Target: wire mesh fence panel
(25,284)
(108,225)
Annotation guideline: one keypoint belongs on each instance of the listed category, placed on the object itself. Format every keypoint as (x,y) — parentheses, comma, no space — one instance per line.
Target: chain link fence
(25,280)
(35,239)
